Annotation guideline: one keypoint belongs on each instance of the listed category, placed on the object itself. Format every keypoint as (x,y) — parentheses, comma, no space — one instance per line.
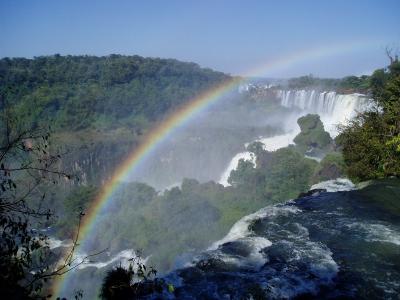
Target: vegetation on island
(313,135)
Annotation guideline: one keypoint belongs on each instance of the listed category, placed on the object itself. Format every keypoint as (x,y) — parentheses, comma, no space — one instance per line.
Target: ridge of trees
(345,85)
(79,92)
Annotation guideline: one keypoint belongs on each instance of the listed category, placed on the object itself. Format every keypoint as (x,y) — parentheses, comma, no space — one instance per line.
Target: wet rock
(313,192)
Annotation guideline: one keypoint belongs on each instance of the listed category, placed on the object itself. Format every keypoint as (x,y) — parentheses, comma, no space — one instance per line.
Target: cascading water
(332,245)
(248,156)
(334,109)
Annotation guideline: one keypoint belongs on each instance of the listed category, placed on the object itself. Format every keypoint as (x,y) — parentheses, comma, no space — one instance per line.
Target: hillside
(80,92)
(99,108)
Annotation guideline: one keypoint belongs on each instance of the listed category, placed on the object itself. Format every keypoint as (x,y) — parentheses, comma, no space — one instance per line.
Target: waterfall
(333,108)
(233,165)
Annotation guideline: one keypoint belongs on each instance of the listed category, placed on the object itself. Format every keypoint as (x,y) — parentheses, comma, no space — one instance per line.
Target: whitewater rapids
(330,245)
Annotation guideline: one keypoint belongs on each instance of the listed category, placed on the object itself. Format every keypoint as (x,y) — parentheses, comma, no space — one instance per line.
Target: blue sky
(230,36)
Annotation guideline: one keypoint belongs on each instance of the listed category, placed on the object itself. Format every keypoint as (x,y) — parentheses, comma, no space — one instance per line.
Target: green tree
(312,135)
(28,166)
(370,143)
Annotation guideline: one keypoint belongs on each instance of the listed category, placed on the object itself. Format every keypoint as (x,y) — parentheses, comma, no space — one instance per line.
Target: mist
(206,150)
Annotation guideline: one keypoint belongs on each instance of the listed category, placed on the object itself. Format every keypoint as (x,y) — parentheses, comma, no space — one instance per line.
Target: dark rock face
(329,172)
(314,192)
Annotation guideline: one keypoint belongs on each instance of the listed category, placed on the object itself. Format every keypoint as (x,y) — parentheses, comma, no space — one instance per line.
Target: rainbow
(181,117)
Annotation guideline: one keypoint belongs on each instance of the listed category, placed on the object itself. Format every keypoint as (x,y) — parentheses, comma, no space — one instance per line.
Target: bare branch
(66,267)
(389,54)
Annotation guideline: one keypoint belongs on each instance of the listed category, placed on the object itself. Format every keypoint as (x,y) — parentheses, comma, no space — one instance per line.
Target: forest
(80,92)
(99,102)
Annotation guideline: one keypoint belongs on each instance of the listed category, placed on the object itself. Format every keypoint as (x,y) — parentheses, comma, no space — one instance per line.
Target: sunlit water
(332,245)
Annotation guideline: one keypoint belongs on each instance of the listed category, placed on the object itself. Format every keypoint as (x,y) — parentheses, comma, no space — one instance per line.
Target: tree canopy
(371,142)
(77,92)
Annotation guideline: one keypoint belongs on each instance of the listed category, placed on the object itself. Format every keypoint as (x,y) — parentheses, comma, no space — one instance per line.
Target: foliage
(278,176)
(312,134)
(78,92)
(131,283)
(27,168)
(74,203)
(289,174)
(243,174)
(370,142)
(349,84)
(101,107)
(332,166)
(117,284)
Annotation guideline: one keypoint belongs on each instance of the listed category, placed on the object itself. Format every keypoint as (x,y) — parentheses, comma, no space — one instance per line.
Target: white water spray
(233,164)
(334,109)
